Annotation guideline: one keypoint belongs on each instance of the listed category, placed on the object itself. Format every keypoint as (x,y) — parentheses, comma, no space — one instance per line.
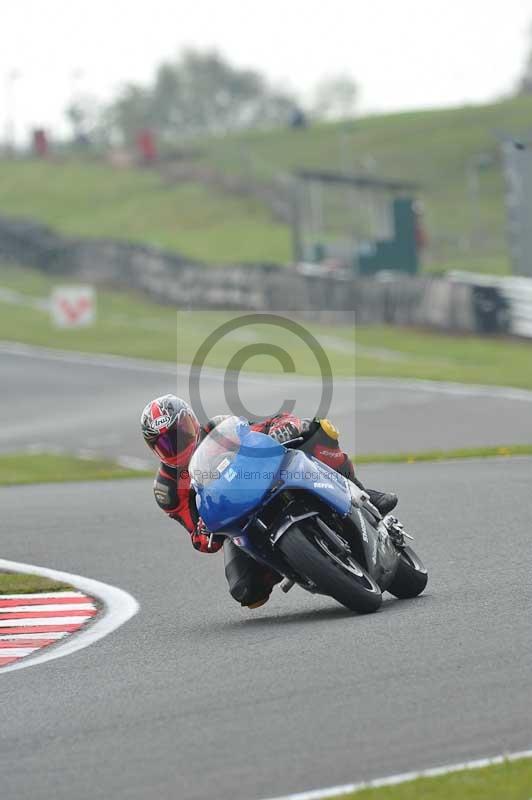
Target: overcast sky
(402,53)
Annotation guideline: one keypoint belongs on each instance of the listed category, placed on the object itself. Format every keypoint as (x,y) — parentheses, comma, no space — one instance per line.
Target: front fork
(396,531)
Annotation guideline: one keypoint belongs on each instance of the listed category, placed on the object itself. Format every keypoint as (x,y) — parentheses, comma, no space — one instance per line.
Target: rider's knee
(246,594)
(245,585)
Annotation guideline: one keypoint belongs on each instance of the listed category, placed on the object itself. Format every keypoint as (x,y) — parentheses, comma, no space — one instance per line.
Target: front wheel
(333,572)
(411,576)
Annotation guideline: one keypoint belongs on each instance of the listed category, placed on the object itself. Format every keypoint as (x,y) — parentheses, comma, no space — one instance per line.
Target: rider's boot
(384,501)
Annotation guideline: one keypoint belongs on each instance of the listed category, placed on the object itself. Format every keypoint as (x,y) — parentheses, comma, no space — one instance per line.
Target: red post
(41,145)
(147,146)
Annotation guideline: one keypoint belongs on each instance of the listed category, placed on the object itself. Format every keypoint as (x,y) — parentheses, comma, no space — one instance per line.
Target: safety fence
(459,302)
(507,302)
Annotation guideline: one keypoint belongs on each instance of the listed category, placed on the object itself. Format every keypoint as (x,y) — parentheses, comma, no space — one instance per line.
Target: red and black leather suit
(249,582)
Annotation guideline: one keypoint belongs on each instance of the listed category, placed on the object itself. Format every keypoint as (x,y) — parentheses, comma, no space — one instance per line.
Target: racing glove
(205,542)
(283,427)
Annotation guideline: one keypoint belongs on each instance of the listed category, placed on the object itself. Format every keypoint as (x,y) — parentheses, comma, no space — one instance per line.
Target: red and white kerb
(30,622)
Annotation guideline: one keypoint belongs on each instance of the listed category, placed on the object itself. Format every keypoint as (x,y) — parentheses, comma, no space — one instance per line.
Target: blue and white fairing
(235,469)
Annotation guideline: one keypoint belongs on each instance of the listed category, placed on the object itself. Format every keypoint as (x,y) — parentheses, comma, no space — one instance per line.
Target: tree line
(202,93)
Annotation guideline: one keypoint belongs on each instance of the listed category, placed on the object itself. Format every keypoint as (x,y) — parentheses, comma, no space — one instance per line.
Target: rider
(172,430)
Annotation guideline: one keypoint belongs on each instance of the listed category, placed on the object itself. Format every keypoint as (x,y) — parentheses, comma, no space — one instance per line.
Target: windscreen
(217,451)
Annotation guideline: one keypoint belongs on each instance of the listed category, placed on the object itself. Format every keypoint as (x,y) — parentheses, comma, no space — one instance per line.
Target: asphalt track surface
(196,698)
(94,403)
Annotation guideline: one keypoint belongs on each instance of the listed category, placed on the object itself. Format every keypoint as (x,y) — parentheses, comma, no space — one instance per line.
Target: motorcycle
(301,519)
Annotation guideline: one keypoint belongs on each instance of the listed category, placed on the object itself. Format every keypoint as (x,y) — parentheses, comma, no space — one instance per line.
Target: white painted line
(47,607)
(161,367)
(131,462)
(86,359)
(445,387)
(42,595)
(118,608)
(38,621)
(10,637)
(404,777)
(18,652)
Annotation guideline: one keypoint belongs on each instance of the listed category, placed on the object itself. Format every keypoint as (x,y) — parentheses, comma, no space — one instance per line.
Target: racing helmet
(171,429)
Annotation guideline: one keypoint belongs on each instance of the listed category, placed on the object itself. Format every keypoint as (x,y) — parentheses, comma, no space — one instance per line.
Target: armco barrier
(500,304)
(518,294)
(459,302)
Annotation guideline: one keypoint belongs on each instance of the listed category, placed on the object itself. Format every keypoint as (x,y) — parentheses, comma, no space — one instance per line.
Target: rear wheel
(312,555)
(411,576)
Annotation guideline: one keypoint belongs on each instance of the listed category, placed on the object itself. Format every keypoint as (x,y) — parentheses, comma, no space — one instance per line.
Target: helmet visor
(175,447)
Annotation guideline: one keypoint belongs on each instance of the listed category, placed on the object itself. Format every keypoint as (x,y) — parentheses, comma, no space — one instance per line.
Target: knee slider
(245,590)
(243,593)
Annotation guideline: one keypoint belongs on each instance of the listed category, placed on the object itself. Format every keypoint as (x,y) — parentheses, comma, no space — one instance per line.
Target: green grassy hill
(97,200)
(432,147)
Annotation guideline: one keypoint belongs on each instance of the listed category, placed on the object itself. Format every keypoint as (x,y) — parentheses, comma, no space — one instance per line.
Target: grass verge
(27,468)
(446,455)
(17,583)
(511,780)
(130,325)
(24,468)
